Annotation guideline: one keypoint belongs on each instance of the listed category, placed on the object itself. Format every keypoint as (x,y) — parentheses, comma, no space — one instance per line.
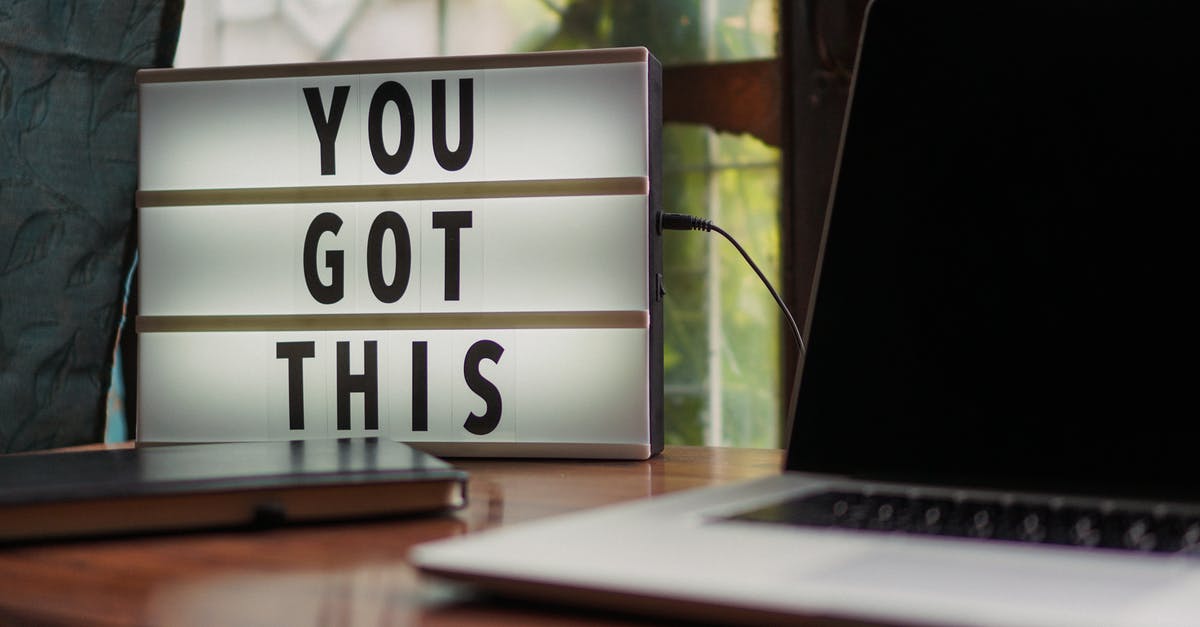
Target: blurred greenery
(733,179)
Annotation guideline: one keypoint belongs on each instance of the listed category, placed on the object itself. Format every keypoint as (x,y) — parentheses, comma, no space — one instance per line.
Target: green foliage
(734,179)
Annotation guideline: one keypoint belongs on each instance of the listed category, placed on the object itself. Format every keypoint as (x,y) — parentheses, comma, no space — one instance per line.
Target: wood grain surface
(350,573)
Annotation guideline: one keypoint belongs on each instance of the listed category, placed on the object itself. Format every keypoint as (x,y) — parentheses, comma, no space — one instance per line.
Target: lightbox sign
(454,252)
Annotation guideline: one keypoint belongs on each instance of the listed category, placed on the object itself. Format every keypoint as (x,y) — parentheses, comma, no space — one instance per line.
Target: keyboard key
(1083,529)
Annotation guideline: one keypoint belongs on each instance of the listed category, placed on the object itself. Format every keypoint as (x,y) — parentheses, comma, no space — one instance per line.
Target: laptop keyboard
(1070,526)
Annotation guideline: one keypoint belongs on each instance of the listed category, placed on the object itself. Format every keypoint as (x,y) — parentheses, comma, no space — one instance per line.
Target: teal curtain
(68,173)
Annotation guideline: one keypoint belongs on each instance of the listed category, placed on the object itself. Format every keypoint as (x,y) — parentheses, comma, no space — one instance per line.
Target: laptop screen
(1006,291)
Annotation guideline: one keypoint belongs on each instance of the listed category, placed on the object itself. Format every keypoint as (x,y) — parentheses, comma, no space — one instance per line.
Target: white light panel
(451,252)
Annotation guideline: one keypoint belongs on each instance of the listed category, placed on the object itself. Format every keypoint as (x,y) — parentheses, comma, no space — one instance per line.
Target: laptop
(994,421)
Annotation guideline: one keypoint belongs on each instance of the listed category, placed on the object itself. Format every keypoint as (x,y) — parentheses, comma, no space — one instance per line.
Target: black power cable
(684,222)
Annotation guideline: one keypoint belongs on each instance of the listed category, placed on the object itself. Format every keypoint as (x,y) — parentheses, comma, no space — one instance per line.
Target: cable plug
(683,222)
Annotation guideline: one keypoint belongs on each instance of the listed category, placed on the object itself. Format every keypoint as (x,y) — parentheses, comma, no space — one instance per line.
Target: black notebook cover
(167,487)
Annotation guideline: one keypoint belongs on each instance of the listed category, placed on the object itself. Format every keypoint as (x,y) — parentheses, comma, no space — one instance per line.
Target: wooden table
(343,573)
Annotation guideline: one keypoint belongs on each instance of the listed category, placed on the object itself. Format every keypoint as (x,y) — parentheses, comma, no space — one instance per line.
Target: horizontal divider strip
(393,66)
(638,319)
(616,186)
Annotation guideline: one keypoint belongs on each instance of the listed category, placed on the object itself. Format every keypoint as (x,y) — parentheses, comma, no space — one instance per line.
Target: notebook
(190,486)
(994,419)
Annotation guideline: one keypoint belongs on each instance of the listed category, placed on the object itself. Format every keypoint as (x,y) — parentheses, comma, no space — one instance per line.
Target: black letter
(367,383)
(384,222)
(325,294)
(327,129)
(420,386)
(479,351)
(466,125)
(391,91)
(295,353)
(452,221)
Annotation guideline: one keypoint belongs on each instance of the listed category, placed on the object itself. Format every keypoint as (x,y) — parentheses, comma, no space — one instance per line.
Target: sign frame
(148,325)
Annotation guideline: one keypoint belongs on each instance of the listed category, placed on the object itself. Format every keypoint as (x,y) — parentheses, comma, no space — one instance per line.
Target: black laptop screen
(1007,288)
